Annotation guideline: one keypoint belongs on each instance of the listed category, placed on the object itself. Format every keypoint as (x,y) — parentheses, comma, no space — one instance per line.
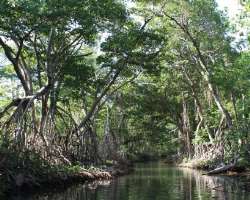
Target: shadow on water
(156,181)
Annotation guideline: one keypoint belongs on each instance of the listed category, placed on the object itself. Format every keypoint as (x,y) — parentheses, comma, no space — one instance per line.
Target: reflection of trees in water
(158,184)
(219,187)
(80,192)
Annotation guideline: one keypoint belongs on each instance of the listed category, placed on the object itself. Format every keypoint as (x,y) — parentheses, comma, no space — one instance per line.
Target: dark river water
(156,181)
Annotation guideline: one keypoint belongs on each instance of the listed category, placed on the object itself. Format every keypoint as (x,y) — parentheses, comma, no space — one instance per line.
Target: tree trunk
(186,127)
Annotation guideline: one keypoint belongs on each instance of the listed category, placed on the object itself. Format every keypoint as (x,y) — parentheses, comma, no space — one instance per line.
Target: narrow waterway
(156,181)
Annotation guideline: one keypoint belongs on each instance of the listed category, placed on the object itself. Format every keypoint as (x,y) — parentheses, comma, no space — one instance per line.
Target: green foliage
(201,136)
(157,83)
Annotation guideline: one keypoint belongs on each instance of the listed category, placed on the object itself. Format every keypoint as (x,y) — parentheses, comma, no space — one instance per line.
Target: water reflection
(156,181)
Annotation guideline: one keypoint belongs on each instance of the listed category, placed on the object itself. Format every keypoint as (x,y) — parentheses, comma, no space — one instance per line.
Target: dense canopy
(88,82)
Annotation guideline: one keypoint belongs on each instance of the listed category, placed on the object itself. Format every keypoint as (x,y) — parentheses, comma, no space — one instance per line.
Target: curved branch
(25,100)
